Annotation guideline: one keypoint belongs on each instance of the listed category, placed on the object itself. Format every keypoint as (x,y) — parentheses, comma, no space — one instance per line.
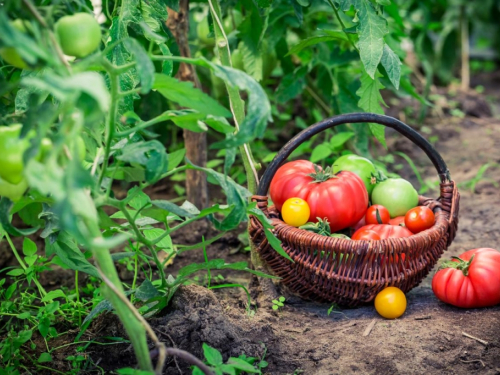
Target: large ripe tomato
(386,231)
(395,194)
(363,167)
(419,219)
(341,198)
(79,34)
(471,280)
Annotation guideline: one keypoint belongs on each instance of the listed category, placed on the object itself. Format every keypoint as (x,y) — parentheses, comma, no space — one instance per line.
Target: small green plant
(278,303)
(233,366)
(471,184)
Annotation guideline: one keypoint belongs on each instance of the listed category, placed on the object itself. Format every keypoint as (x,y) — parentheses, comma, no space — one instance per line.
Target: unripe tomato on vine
(79,34)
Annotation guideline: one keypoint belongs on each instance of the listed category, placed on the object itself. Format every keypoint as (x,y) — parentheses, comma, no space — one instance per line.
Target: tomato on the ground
(390,303)
(471,280)
(365,234)
(419,219)
(341,198)
(377,214)
(78,34)
(395,194)
(295,212)
(387,231)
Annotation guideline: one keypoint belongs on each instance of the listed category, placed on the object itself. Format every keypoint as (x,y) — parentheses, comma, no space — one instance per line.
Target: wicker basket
(348,272)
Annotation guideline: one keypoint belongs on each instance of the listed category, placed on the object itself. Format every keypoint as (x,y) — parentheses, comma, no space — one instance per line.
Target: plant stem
(110,124)
(113,291)
(41,289)
(237,105)
(342,24)
(78,299)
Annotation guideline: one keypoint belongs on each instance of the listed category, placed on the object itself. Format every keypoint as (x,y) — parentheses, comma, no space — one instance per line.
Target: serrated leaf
(145,67)
(291,86)
(370,100)
(184,94)
(150,154)
(146,291)
(392,64)
(371,29)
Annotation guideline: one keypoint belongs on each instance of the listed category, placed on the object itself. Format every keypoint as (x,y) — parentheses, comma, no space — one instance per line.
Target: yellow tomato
(295,212)
(390,303)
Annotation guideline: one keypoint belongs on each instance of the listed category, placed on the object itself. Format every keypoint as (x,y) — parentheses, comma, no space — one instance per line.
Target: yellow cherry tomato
(295,212)
(390,303)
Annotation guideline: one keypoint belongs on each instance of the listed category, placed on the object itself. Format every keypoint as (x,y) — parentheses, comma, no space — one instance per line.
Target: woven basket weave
(348,272)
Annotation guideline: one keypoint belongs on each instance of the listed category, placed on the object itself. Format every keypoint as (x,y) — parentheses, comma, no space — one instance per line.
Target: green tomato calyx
(322,175)
(460,264)
(322,227)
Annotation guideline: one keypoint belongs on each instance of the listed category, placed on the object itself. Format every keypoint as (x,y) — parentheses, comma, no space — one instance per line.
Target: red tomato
(341,198)
(371,216)
(400,220)
(419,219)
(359,224)
(386,231)
(470,281)
(365,234)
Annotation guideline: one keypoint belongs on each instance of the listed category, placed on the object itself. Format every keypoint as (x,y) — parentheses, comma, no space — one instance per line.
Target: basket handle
(331,122)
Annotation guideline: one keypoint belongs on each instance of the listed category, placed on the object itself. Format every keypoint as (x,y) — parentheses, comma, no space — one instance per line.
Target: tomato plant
(341,198)
(419,219)
(386,231)
(295,212)
(396,194)
(390,303)
(79,34)
(471,280)
(377,214)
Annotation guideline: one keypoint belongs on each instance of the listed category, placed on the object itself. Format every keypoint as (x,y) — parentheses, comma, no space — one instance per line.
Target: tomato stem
(321,175)
(459,264)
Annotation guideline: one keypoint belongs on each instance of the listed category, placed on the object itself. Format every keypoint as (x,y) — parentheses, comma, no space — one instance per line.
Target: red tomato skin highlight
(419,219)
(480,288)
(342,199)
(386,231)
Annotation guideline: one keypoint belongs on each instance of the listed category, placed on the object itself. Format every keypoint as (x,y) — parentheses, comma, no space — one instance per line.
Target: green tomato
(12,149)
(363,167)
(11,191)
(395,194)
(203,29)
(237,59)
(79,34)
(231,23)
(10,54)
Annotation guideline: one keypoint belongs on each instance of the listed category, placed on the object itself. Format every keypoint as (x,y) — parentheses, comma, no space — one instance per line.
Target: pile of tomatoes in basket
(336,199)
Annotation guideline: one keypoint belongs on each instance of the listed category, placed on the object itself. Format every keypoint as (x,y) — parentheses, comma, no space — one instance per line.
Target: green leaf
(184,94)
(71,256)
(392,64)
(313,40)
(146,291)
(219,124)
(240,364)
(212,355)
(371,29)
(44,357)
(62,88)
(167,67)
(339,139)
(145,67)
(173,4)
(16,272)
(52,295)
(370,101)
(165,243)
(150,154)
(175,158)
(24,315)
(104,305)
(384,2)
(173,208)
(291,86)
(321,152)
(5,219)
(250,32)
(29,247)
